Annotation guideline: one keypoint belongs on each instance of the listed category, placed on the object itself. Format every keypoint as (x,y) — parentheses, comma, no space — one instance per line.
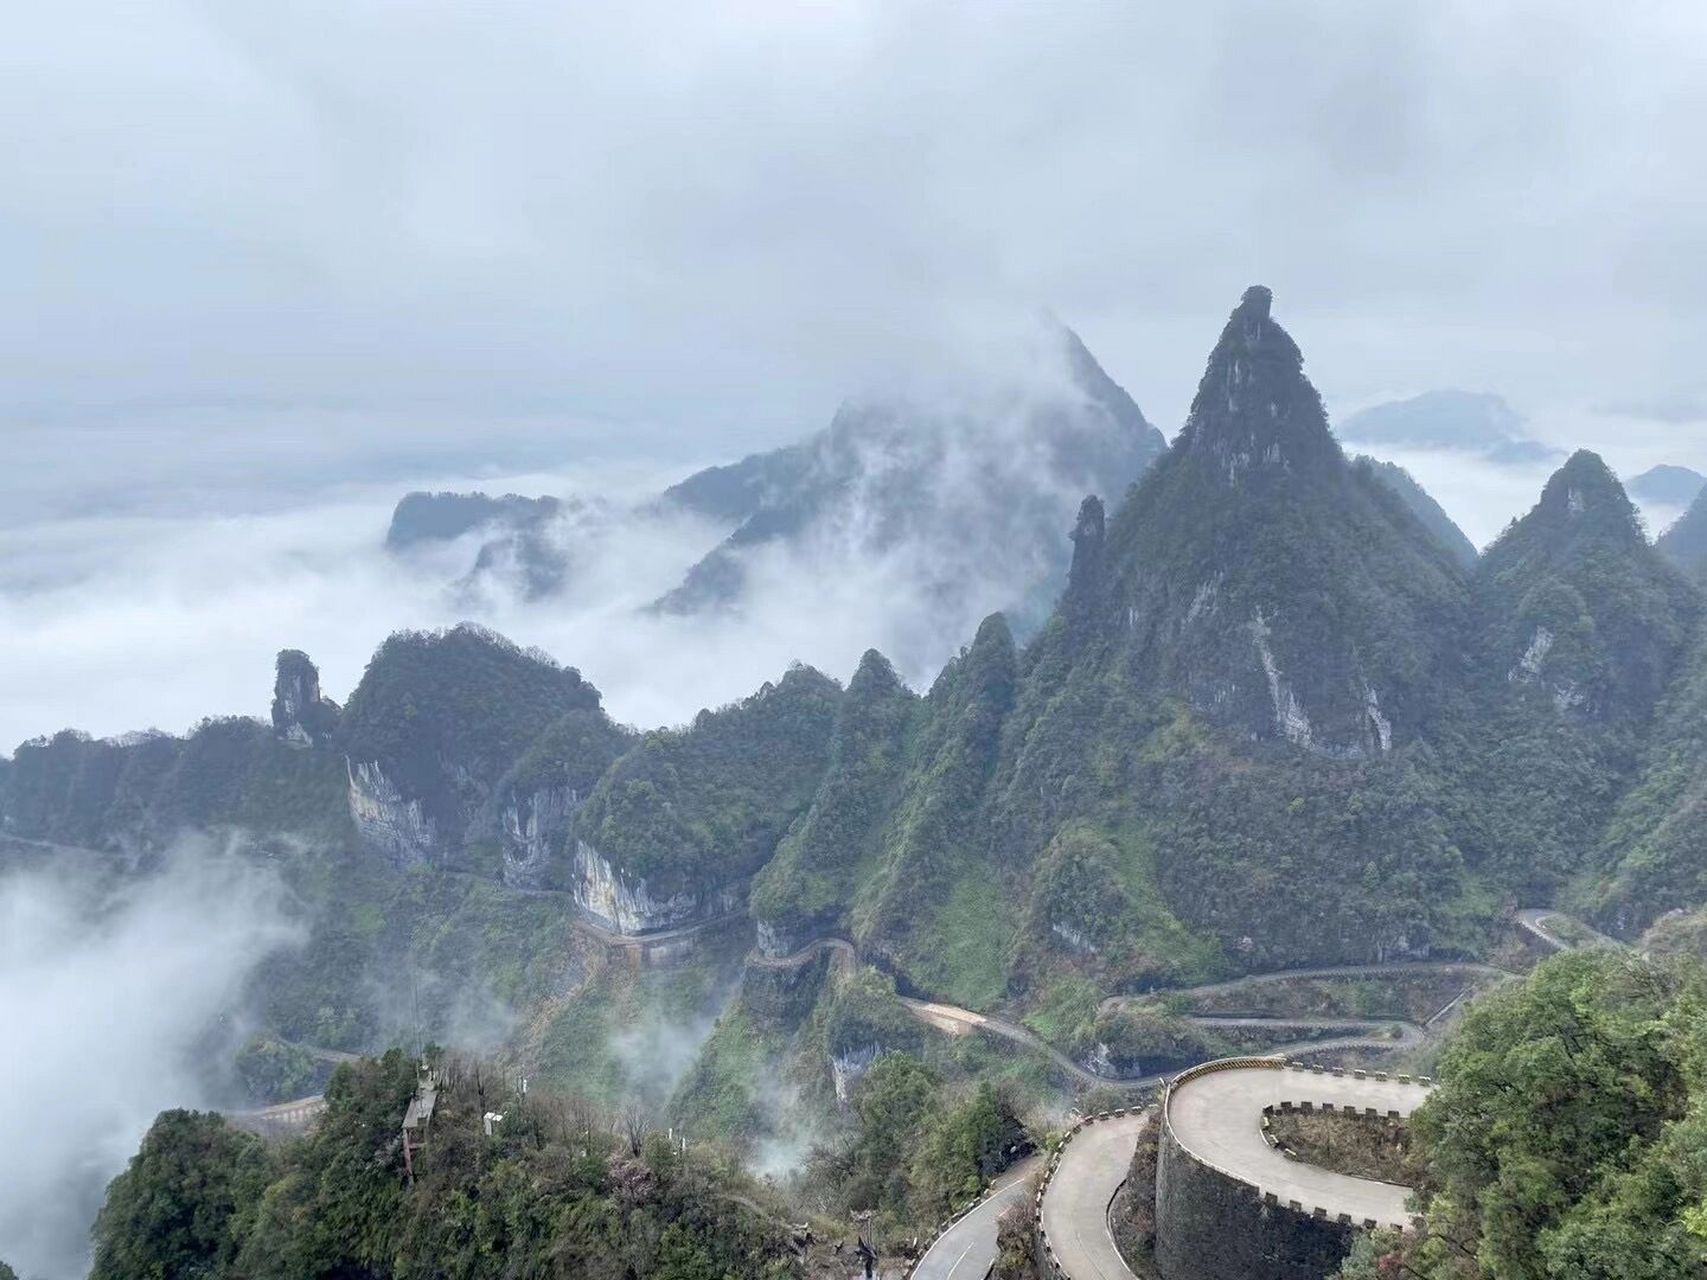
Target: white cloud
(103,992)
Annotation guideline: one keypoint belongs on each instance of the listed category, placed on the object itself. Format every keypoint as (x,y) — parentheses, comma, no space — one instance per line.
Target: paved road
(1217,1118)
(840,948)
(1394,969)
(1370,1035)
(967,1250)
(1093,1166)
(957,1021)
(1543,921)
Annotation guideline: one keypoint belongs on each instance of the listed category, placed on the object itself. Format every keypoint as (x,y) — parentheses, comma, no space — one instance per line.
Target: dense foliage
(706,805)
(921,1148)
(1565,1139)
(1423,506)
(143,789)
(1577,629)
(1685,543)
(820,862)
(553,1192)
(184,1205)
(933,876)
(1654,855)
(445,713)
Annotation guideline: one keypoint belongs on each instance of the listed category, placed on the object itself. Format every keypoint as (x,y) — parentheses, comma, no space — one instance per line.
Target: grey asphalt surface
(1075,1207)
(1218,1119)
(1542,921)
(967,1250)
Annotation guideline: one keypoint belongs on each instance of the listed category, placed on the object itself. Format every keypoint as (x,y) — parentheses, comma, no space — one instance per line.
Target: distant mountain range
(1462,421)
(1666,486)
(961,498)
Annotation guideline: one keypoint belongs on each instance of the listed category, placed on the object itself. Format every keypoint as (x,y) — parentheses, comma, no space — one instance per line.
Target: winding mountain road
(841,948)
(1216,1116)
(1074,1214)
(1544,923)
(967,1249)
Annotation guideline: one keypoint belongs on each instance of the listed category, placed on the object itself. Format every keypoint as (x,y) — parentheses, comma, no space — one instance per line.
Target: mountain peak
(1585,488)
(1256,301)
(1255,409)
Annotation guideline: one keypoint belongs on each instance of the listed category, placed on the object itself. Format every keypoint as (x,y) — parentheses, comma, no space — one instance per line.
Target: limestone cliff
(385,820)
(629,905)
(302,715)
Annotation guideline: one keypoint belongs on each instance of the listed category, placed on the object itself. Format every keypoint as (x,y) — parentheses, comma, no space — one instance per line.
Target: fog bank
(104,993)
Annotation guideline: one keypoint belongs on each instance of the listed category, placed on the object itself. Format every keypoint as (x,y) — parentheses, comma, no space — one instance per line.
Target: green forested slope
(1653,858)
(444,714)
(553,1193)
(706,805)
(1565,1138)
(802,892)
(1577,629)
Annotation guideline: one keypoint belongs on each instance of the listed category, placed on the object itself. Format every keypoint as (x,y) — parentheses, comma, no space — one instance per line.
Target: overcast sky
(714,219)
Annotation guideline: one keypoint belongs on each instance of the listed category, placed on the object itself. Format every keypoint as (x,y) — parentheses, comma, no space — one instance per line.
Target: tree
(1564,1139)
(179,1208)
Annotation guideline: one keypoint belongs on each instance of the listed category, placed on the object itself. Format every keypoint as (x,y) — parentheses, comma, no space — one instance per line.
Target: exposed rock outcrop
(302,715)
(848,1068)
(384,820)
(629,905)
(533,828)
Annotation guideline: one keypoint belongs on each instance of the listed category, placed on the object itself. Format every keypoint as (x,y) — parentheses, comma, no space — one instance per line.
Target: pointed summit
(1257,576)
(1572,600)
(1254,407)
(1584,495)
(1577,628)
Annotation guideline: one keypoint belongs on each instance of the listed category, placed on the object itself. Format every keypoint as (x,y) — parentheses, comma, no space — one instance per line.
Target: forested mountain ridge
(1256,636)
(1685,543)
(1424,507)
(914,484)
(1578,626)
(1261,659)
(1272,721)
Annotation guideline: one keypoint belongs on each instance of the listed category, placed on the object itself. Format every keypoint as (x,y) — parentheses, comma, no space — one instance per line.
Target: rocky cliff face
(848,1068)
(630,906)
(533,826)
(387,822)
(302,715)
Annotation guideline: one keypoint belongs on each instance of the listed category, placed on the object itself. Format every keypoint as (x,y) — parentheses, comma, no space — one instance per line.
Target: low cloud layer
(156,618)
(104,995)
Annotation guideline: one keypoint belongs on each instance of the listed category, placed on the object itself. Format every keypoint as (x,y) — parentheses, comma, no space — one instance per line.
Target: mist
(108,990)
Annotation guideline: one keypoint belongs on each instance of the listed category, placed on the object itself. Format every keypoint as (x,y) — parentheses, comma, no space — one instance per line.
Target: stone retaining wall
(1212,1224)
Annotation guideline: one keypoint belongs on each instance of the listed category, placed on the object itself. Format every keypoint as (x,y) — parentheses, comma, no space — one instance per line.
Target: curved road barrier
(280,1119)
(1545,923)
(1073,1235)
(1214,1114)
(964,1248)
(841,950)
